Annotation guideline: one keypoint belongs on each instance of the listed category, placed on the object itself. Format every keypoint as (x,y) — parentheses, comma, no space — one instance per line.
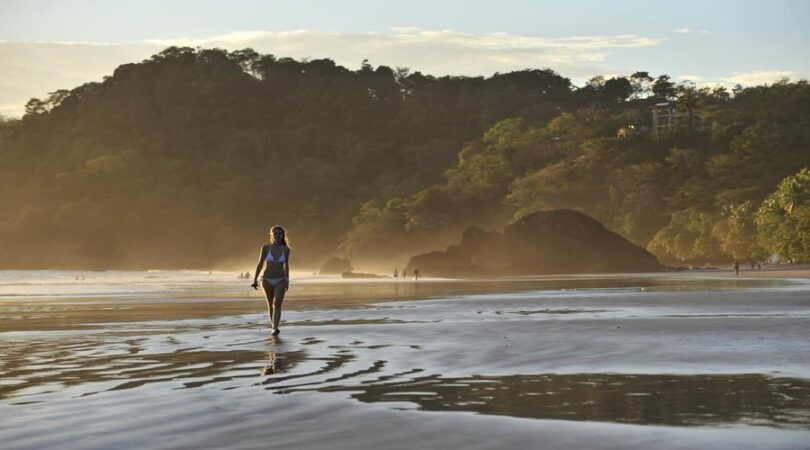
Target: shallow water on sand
(584,362)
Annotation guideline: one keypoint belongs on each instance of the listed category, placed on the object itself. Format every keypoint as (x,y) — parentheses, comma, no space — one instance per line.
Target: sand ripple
(629,357)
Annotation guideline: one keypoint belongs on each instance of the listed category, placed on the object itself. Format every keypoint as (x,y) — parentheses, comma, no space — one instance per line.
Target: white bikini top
(281,259)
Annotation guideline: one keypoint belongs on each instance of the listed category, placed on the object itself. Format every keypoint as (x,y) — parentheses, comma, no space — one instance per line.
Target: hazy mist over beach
(185,160)
(413,224)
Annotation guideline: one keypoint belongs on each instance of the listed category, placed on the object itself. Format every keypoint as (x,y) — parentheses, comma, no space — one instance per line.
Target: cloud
(32,69)
(414,45)
(689,31)
(760,77)
(753,78)
(410,36)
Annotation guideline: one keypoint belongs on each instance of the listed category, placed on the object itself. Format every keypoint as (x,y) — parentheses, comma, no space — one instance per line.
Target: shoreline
(645,362)
(43,313)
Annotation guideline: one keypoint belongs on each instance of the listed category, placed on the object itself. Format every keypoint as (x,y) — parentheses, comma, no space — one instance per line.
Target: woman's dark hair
(283,240)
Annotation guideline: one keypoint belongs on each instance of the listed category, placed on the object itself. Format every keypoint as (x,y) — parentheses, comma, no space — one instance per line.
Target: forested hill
(185,159)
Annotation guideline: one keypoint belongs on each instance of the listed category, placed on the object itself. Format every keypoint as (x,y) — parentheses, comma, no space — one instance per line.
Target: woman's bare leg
(278,298)
(269,294)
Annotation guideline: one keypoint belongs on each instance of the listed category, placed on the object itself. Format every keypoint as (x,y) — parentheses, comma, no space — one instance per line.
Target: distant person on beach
(274,265)
(416,274)
(396,273)
(736,267)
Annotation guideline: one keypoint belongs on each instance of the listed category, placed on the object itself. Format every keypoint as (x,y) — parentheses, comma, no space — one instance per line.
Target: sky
(61,44)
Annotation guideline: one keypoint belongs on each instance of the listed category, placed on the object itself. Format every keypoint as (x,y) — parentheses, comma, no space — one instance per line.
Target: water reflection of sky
(44,284)
(694,400)
(705,353)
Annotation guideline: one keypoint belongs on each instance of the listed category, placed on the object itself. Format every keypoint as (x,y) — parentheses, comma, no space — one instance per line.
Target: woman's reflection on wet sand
(274,364)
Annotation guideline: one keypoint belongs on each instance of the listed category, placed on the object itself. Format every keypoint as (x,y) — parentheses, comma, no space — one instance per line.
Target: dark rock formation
(335,266)
(359,275)
(478,254)
(545,242)
(566,241)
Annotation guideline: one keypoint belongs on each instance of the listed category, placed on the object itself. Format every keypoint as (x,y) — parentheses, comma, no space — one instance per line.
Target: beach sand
(678,360)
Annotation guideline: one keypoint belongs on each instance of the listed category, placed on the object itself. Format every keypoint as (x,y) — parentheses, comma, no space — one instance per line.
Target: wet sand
(649,361)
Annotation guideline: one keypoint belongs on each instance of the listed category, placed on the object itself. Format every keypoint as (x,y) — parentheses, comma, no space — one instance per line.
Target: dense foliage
(185,159)
(688,193)
(783,220)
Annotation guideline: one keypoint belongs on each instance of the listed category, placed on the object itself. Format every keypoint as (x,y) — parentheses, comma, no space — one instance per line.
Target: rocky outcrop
(545,242)
(335,266)
(479,253)
(360,275)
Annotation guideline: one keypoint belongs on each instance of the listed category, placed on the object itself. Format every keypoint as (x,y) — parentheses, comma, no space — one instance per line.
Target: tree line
(185,159)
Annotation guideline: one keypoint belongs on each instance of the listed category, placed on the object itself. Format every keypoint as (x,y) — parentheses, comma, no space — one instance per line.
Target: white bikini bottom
(274,281)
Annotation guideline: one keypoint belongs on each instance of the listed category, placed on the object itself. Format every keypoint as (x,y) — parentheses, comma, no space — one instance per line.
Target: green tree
(663,88)
(736,232)
(783,220)
(688,237)
(642,84)
(618,89)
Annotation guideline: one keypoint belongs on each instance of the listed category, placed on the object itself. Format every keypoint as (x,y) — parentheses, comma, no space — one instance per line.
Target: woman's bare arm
(287,268)
(259,265)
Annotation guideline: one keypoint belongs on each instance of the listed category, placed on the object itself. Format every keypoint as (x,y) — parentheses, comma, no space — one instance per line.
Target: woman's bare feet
(275,332)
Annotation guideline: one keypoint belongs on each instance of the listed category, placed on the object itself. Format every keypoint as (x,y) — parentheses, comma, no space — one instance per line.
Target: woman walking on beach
(274,266)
